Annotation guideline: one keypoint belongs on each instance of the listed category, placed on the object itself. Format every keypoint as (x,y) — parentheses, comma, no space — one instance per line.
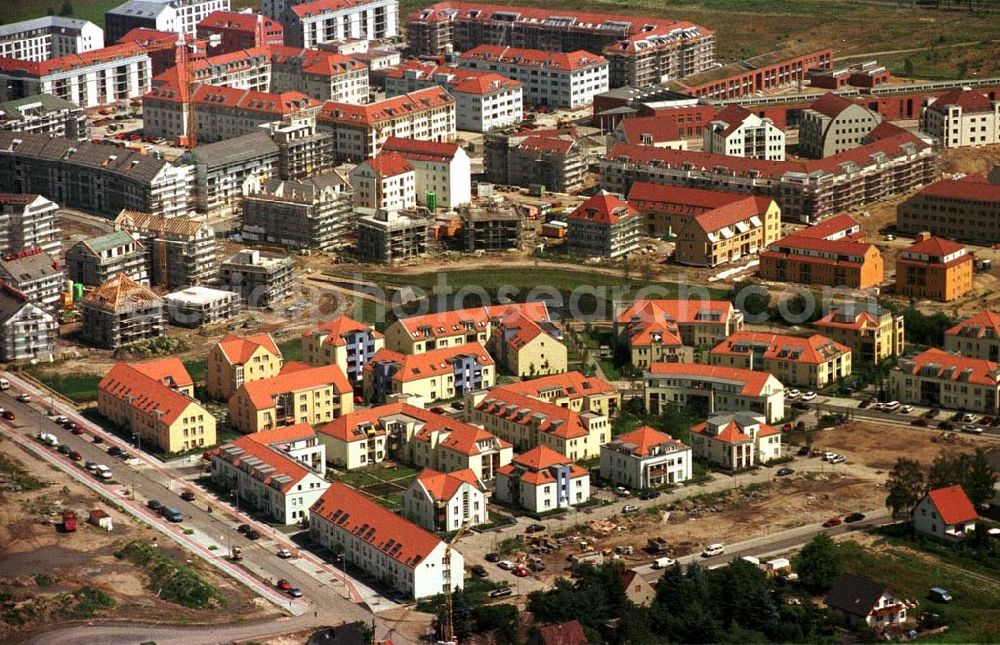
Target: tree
(906,486)
(66,9)
(946,471)
(979,478)
(819,564)
(908,68)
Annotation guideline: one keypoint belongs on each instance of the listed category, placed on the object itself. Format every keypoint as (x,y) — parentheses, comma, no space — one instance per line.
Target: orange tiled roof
(169,371)
(421,150)
(936,363)
(814,349)
(604,208)
(147,394)
(679,311)
(385,110)
(953,505)
(336,329)
(644,438)
(535,464)
(985,324)
(752,382)
(442,487)
(649,196)
(284,434)
(933,246)
(450,323)
(280,462)
(571,384)
(295,378)
(527,411)
(565,62)
(414,367)
(239,350)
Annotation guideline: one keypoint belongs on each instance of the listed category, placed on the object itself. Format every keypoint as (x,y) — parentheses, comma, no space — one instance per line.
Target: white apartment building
(28,222)
(313,23)
(27,331)
(962,117)
(739,133)
(176,16)
(441,169)
(712,389)
(736,441)
(40,39)
(484,101)
(409,558)
(445,501)
(569,80)
(274,471)
(91,79)
(542,480)
(386,181)
(645,458)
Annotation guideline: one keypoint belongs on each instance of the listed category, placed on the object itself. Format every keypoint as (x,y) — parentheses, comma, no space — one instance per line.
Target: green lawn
(81,388)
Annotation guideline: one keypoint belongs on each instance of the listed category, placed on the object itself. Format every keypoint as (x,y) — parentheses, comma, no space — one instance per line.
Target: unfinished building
(96,260)
(198,306)
(35,274)
(553,159)
(387,236)
(27,222)
(494,225)
(261,279)
(180,251)
(313,213)
(121,311)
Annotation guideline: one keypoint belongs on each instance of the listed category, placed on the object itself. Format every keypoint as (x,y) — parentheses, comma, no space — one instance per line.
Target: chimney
(923,235)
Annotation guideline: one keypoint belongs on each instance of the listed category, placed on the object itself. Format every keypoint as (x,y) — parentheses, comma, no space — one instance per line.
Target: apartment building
(442,171)
(387,236)
(491,225)
(89,79)
(894,162)
(155,400)
(834,253)
(177,16)
(28,222)
(96,260)
(967,209)
(527,422)
(572,391)
(234,361)
(311,24)
(438,374)
(641,50)
(28,332)
(261,279)
(299,393)
(873,333)
(604,226)
(645,458)
(962,117)
(655,331)
(40,39)
(553,159)
(343,342)
(360,130)
(237,30)
(35,274)
(95,178)
(736,441)
(265,472)
(45,114)
(387,547)
(446,501)
(484,100)
(121,311)
(312,213)
(526,347)
(387,181)
(712,389)
(812,362)
(322,75)
(653,131)
(937,378)
(198,306)
(834,124)
(738,132)
(180,251)
(668,209)
(977,337)
(422,333)
(409,434)
(934,268)
(566,80)
(541,480)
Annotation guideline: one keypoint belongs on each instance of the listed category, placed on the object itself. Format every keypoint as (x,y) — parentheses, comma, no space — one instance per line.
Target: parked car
(479,571)
(502,592)
(521,572)
(294,592)
(867,403)
(61,420)
(437,409)
(506,565)
(244,528)
(621,491)
(252,534)
(103,472)
(933,412)
(24,397)
(808,396)
(939,594)
(946,425)
(804,451)
(630,508)
(713,550)
(90,466)
(649,494)
(284,554)
(493,557)
(906,409)
(833,521)
(827,456)
(972,429)
(114,451)
(854,517)
(663,563)
(534,528)
(968,417)
(920,423)
(891,406)
(785,471)
(283,584)
(187,495)
(8,415)
(98,439)
(173,515)
(63,449)
(792,394)
(75,456)
(458,405)
(838,459)
(153,505)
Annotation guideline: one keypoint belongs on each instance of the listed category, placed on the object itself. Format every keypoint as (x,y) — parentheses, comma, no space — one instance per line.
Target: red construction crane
(186,90)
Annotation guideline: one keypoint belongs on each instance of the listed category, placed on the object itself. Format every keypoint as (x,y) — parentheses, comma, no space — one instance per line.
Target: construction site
(121,311)
(180,251)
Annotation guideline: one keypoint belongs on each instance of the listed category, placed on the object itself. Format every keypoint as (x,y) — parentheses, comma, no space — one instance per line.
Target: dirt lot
(38,563)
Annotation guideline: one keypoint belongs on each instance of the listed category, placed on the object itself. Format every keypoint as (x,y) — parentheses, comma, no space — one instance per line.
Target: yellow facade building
(235,361)
(419,334)
(300,393)
(873,333)
(572,390)
(343,342)
(814,362)
(525,347)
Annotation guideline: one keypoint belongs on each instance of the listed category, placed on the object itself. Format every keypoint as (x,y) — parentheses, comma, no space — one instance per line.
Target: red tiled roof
(464,439)
(17,198)
(456,79)
(307,9)
(953,505)
(854,251)
(815,349)
(414,367)
(388,164)
(397,538)
(733,213)
(442,487)
(644,438)
(973,188)
(237,21)
(753,382)
(523,329)
(568,633)
(547,144)
(169,371)
(933,246)
(147,393)
(239,350)
(862,319)
(284,434)
(936,363)
(167,88)
(451,323)
(421,150)
(71,61)
(977,326)
(295,377)
(541,457)
(569,384)
(883,130)
(280,462)
(732,432)
(521,409)
(150,38)
(830,105)
(658,128)
(968,100)
(839,226)
(565,62)
(647,196)
(733,116)
(387,109)
(314,61)
(681,311)
(603,208)
(336,329)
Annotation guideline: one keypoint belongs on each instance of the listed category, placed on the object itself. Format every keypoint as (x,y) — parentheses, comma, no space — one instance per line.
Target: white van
(713,550)
(4,384)
(103,471)
(48,439)
(663,563)
(891,406)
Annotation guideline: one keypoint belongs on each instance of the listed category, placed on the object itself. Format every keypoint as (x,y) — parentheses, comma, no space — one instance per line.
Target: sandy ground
(30,544)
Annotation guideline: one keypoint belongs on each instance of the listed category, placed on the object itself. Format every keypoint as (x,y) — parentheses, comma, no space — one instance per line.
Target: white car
(808,396)
(838,459)
(906,409)
(968,417)
(61,419)
(284,554)
(792,394)
(891,406)
(630,508)
(972,429)
(506,565)
(827,456)
(879,405)
(713,550)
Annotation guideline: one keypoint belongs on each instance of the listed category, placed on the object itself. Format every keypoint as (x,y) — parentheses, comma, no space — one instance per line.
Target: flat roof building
(199,306)
(261,279)
(311,213)
(45,114)
(387,236)
(967,209)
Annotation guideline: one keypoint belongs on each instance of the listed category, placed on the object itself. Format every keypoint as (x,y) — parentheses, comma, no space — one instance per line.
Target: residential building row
(176,16)
(311,213)
(426,332)
(298,393)
(45,114)
(40,39)
(309,24)
(712,389)
(961,117)
(965,209)
(435,375)
(937,378)
(814,362)
(662,331)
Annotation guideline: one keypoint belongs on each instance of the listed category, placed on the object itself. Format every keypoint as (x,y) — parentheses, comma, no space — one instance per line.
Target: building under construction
(552,159)
(491,226)
(96,260)
(261,279)
(313,213)
(392,235)
(197,306)
(180,251)
(121,311)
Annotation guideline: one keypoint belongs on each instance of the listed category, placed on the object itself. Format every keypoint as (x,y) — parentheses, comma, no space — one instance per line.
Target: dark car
(187,495)
(294,592)
(833,521)
(649,494)
(162,510)
(244,528)
(920,423)
(933,412)
(534,528)
(8,415)
(114,451)
(63,449)
(502,592)
(69,424)
(76,430)
(782,472)
(437,409)
(804,451)
(173,515)
(154,505)
(854,517)
(98,439)
(75,456)
(252,534)
(458,405)
(867,403)
(946,425)
(493,557)
(479,571)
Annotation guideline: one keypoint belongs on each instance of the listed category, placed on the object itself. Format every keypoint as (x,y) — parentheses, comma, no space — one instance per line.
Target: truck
(656,545)
(69,521)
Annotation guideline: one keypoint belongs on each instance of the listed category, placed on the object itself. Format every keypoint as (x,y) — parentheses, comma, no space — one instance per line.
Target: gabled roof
(143,388)
(659,129)
(456,79)
(830,105)
(646,195)
(72,61)
(316,7)
(541,457)
(540,415)
(168,371)
(421,150)
(336,329)
(415,367)
(984,324)
(397,538)
(454,322)
(568,633)
(442,487)
(855,595)
(644,438)
(385,110)
(814,349)
(967,99)
(934,246)
(465,439)
(752,382)
(604,208)
(680,311)
(573,385)
(386,164)
(365,422)
(732,117)
(283,434)
(239,350)
(939,364)
(953,505)
(272,466)
(565,62)
(294,377)
(972,188)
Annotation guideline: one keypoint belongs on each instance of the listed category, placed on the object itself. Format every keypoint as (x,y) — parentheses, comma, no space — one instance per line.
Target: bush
(85,602)
(170,580)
